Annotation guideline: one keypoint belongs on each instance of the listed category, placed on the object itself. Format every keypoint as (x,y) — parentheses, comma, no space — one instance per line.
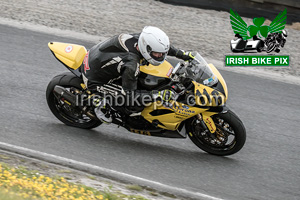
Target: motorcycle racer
(119,58)
(276,41)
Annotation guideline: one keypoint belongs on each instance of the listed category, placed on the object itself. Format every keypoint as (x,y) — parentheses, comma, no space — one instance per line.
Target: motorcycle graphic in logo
(264,38)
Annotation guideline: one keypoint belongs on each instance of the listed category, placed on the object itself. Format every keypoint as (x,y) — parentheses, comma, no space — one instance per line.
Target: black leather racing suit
(116,58)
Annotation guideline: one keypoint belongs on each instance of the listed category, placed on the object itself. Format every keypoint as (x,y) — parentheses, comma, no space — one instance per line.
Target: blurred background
(248,8)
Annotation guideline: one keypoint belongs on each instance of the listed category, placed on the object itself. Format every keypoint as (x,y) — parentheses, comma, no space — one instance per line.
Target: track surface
(266,168)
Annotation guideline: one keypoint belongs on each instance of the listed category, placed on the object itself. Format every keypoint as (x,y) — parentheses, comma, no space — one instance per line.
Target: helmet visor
(158,56)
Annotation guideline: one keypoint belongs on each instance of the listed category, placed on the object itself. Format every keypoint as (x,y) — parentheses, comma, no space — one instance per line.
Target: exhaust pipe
(62,93)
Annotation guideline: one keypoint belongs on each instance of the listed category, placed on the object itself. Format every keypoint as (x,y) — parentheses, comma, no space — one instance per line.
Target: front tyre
(229,138)
(65,113)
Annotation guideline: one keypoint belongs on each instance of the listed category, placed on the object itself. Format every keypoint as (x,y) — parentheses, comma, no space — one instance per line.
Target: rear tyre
(67,114)
(228,139)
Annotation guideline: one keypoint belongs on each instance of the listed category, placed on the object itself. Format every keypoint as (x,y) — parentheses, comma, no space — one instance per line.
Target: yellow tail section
(71,55)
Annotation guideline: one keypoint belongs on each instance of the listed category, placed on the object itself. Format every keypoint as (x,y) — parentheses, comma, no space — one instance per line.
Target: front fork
(207,123)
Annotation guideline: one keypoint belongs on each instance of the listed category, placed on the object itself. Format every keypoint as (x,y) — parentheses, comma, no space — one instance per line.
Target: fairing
(71,55)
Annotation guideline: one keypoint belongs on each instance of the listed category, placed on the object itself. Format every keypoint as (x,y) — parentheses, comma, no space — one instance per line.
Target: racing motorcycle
(276,41)
(197,111)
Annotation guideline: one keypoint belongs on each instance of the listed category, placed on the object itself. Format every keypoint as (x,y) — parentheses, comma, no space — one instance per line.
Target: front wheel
(271,47)
(229,138)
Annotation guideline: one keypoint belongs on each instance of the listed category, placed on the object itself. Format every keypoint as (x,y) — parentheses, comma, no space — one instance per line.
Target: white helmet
(153,39)
(284,33)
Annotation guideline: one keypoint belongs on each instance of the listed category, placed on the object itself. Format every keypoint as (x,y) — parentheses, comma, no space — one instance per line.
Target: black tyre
(228,139)
(271,47)
(62,111)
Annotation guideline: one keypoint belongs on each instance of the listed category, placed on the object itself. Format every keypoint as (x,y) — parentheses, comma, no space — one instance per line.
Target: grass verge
(23,178)
(19,183)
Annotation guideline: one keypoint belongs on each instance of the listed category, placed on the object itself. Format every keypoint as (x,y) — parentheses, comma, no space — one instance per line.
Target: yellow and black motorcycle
(198,109)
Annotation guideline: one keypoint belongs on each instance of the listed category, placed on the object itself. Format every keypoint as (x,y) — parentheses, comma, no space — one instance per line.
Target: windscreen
(199,71)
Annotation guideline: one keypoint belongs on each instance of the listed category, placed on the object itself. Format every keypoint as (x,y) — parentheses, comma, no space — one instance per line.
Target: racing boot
(101,111)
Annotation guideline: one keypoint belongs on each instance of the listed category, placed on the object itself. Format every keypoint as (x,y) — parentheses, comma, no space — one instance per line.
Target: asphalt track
(266,168)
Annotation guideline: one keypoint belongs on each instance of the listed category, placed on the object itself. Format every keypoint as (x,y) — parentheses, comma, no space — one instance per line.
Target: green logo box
(257,60)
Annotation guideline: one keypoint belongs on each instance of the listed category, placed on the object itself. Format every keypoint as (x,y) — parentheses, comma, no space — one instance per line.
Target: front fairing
(208,96)
(210,88)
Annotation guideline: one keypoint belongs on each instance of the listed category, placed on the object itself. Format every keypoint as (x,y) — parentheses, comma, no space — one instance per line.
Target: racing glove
(164,95)
(97,102)
(187,56)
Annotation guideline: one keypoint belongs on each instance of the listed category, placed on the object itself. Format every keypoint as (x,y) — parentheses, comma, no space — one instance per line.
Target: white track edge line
(103,171)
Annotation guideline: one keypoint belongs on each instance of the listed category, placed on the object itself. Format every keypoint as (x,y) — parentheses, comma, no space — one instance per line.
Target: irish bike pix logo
(267,40)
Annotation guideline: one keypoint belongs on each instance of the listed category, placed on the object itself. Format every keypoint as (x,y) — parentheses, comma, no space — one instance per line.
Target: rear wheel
(229,138)
(69,115)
